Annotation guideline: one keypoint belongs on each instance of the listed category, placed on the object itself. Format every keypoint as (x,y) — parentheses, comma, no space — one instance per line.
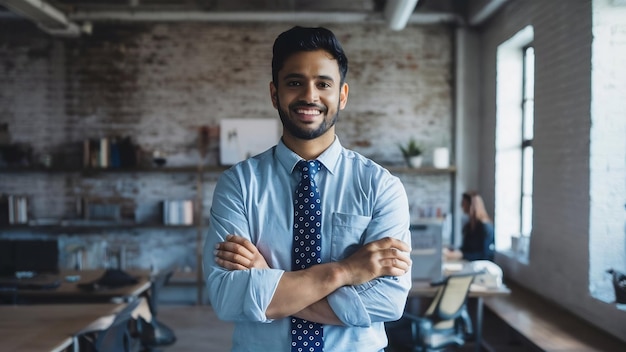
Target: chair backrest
(450,299)
(113,336)
(157,282)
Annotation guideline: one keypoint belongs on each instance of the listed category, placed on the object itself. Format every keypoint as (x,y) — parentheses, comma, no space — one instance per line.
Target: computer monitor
(426,253)
(37,256)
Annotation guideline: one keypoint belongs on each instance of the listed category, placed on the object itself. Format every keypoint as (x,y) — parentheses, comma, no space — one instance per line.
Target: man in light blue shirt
(364,276)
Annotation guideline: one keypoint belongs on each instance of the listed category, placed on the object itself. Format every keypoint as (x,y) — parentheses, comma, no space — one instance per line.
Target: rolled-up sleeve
(382,299)
(237,295)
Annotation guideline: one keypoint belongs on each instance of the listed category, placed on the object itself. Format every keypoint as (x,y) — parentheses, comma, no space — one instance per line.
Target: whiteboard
(243,138)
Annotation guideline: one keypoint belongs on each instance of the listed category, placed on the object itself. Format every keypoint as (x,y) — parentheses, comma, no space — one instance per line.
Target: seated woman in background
(478,237)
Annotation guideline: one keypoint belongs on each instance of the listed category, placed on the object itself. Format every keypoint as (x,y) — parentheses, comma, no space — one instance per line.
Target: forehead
(315,63)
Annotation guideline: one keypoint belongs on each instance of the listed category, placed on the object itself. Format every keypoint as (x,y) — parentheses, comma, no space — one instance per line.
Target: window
(528,101)
(514,150)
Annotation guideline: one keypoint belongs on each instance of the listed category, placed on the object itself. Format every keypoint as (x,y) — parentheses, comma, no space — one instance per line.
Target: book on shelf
(107,152)
(178,212)
(14,210)
(103,160)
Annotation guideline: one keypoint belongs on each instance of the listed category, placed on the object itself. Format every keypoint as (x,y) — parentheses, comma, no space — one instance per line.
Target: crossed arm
(303,293)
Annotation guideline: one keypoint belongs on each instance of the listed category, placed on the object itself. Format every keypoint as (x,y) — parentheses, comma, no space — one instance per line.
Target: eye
(293,84)
(324,85)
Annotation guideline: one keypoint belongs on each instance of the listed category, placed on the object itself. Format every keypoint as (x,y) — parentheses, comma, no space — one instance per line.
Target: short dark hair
(299,39)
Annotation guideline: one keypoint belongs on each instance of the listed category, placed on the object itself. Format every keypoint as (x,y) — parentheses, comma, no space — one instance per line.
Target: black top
(478,244)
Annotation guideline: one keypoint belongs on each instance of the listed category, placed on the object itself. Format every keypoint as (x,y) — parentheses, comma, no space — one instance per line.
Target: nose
(311,93)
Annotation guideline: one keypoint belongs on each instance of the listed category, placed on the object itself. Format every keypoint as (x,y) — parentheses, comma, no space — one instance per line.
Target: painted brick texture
(158,83)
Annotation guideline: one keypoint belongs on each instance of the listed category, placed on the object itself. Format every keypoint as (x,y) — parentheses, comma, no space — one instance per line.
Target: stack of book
(16,211)
(109,153)
(178,212)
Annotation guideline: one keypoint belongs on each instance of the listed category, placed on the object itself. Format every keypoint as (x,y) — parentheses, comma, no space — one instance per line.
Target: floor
(198,329)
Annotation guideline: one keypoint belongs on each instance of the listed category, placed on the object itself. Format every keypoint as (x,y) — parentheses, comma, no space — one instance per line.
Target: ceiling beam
(398,12)
(46,16)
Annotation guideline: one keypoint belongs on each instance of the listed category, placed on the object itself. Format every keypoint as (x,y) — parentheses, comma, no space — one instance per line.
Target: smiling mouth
(309,112)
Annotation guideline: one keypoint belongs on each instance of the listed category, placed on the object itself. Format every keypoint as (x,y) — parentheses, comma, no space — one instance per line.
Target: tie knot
(309,168)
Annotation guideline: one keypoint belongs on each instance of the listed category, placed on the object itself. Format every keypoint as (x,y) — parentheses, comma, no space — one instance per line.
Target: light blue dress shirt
(361,202)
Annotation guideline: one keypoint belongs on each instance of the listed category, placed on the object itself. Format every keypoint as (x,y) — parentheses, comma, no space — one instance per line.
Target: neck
(309,149)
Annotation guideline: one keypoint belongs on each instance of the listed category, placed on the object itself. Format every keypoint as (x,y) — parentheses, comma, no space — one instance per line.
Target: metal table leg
(479,323)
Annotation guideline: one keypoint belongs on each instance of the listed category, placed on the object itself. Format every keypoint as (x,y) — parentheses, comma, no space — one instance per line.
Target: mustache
(304,104)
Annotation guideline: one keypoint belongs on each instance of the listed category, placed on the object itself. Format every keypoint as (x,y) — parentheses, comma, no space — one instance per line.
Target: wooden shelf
(90,171)
(191,169)
(422,170)
(86,228)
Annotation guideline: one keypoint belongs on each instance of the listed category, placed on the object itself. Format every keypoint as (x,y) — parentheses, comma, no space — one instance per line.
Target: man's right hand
(237,253)
(384,257)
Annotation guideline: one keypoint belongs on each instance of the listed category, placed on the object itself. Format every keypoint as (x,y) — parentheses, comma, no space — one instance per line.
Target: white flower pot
(415,161)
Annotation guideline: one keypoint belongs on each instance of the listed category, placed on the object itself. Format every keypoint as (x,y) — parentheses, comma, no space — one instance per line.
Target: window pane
(529,119)
(527,177)
(529,92)
(527,218)
(529,73)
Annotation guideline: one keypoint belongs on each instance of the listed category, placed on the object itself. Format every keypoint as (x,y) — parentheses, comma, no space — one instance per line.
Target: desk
(48,327)
(68,292)
(423,289)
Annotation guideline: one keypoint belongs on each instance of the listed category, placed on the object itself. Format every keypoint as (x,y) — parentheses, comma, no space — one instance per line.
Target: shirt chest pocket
(347,234)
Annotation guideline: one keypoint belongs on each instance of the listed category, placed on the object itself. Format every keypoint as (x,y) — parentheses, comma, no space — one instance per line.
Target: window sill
(520,257)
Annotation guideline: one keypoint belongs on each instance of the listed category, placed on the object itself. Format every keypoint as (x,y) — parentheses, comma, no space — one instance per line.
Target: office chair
(110,334)
(155,333)
(445,323)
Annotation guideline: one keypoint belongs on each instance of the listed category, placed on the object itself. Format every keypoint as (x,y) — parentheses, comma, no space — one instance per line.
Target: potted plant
(412,153)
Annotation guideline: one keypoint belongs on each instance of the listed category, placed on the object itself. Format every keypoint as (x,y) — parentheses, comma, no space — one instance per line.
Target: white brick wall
(560,244)
(608,146)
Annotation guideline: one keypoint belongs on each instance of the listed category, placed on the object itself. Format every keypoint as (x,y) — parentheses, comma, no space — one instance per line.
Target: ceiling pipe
(486,12)
(242,17)
(46,16)
(234,16)
(398,12)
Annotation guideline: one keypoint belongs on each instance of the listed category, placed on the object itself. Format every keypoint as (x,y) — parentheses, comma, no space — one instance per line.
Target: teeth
(308,112)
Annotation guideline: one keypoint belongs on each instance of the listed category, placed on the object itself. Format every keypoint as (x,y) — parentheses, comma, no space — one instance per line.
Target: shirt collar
(329,158)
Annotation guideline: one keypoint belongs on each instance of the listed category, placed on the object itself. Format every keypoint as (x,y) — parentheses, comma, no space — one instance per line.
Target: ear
(343,96)
(274,95)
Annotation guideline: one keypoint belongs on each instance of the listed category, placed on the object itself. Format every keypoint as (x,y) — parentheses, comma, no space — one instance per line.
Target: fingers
(390,242)
(384,257)
(242,241)
(230,254)
(229,264)
(394,261)
(234,253)
(238,253)
(394,254)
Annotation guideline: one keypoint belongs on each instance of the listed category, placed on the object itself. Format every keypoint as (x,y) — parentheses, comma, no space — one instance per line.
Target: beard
(304,133)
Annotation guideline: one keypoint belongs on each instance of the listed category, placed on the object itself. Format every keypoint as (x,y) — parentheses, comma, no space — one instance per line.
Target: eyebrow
(298,75)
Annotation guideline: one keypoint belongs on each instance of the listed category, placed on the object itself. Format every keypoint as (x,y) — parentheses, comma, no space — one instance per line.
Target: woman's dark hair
(299,39)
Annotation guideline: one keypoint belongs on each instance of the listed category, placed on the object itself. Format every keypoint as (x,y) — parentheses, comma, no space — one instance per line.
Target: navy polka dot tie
(307,336)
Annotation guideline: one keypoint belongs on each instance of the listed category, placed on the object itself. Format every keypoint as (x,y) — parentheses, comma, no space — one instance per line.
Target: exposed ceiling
(75,17)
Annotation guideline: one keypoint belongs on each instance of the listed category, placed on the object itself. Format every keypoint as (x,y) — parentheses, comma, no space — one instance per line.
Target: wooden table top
(47,327)
(424,289)
(68,290)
